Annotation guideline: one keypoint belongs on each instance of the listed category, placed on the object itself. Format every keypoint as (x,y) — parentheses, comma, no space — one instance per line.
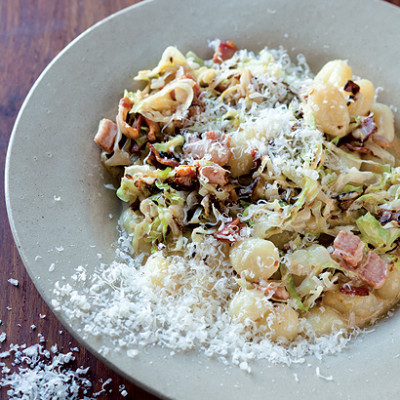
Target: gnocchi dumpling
(130,219)
(301,262)
(328,106)
(157,270)
(283,323)
(384,120)
(359,306)
(391,288)
(335,72)
(324,320)
(255,259)
(249,304)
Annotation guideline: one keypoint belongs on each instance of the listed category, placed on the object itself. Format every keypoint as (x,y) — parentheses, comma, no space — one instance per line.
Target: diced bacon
(214,174)
(215,149)
(277,292)
(154,128)
(224,51)
(211,135)
(349,247)
(126,103)
(354,290)
(106,134)
(158,161)
(185,175)
(373,270)
(230,232)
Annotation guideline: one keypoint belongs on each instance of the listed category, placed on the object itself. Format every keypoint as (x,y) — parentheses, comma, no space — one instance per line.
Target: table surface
(31,34)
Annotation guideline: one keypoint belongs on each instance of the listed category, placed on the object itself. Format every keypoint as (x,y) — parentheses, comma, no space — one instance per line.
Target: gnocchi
(255,259)
(283,323)
(336,72)
(361,307)
(391,288)
(324,319)
(384,119)
(249,304)
(328,106)
(158,271)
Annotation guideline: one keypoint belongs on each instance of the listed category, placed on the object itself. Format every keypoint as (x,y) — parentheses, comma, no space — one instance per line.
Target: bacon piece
(217,148)
(230,232)
(359,149)
(373,270)
(349,247)
(158,161)
(211,135)
(224,51)
(214,174)
(278,292)
(351,87)
(154,128)
(106,134)
(354,290)
(126,103)
(185,176)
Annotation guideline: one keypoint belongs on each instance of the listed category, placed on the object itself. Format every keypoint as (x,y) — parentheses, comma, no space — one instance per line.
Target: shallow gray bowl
(59,208)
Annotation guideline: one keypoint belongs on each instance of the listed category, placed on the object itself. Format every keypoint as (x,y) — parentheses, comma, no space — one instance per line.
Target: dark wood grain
(31,34)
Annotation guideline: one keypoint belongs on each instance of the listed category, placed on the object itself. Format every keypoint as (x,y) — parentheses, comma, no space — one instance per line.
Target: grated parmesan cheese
(42,376)
(326,378)
(35,373)
(119,301)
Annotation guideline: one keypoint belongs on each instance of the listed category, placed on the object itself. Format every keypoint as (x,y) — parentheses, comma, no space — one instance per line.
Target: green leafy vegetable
(169,193)
(335,140)
(195,58)
(374,233)
(291,288)
(351,188)
(170,146)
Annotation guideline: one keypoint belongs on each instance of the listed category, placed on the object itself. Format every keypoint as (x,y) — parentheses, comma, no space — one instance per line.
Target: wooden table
(31,34)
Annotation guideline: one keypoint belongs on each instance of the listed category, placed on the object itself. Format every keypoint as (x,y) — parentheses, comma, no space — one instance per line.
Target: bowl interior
(61,212)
